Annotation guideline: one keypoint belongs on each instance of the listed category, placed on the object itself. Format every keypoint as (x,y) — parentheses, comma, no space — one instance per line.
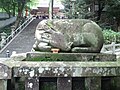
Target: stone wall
(61,75)
(4,15)
(7,22)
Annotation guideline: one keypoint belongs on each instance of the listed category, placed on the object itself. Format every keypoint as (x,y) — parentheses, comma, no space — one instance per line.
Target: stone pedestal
(71,71)
(47,56)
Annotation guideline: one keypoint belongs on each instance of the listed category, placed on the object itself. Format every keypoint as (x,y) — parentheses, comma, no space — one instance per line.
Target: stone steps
(24,41)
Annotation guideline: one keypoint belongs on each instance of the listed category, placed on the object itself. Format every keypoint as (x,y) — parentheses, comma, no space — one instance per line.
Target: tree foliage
(12,7)
(15,8)
(111,36)
(81,7)
(7,6)
(113,10)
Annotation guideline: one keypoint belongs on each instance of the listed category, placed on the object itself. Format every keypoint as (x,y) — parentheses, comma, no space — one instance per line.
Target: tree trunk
(118,25)
(13,10)
(20,10)
(100,8)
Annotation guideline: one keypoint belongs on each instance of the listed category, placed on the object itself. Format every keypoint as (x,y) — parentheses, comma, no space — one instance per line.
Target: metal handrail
(17,31)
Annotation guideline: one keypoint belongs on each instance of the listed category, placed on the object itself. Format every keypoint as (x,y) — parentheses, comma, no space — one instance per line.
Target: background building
(44,11)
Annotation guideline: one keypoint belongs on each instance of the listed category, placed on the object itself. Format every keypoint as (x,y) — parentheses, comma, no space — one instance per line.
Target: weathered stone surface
(64,83)
(45,56)
(66,69)
(93,83)
(3,84)
(5,72)
(18,57)
(74,35)
(90,71)
(32,84)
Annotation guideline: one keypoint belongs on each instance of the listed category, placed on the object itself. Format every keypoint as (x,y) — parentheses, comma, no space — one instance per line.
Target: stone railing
(5,41)
(111,48)
(82,72)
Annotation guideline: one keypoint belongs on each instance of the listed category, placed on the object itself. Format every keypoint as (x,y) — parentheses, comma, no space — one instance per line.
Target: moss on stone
(70,57)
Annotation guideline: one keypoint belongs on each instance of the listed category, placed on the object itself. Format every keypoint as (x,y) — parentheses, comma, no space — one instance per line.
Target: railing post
(7,53)
(113,47)
(3,37)
(12,31)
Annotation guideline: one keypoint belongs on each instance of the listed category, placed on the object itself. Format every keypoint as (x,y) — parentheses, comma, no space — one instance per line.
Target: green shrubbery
(6,29)
(111,36)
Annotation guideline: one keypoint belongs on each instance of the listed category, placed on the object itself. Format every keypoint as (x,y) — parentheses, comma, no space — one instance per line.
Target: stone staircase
(24,41)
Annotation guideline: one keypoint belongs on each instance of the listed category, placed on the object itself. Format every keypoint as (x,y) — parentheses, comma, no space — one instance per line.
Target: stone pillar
(12,31)
(51,9)
(3,37)
(93,83)
(5,74)
(113,47)
(64,83)
(3,84)
(7,54)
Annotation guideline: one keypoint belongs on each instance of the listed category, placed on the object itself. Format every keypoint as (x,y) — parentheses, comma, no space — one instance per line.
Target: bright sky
(45,3)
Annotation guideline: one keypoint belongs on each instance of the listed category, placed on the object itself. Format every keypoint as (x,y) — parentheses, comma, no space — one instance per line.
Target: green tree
(113,10)
(80,8)
(101,5)
(15,7)
(12,7)
(6,6)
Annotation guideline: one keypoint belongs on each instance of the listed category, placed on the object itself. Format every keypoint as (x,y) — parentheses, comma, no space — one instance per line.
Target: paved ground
(24,41)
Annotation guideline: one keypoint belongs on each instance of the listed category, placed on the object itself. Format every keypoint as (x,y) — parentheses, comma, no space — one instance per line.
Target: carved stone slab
(65,71)
(45,56)
(5,72)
